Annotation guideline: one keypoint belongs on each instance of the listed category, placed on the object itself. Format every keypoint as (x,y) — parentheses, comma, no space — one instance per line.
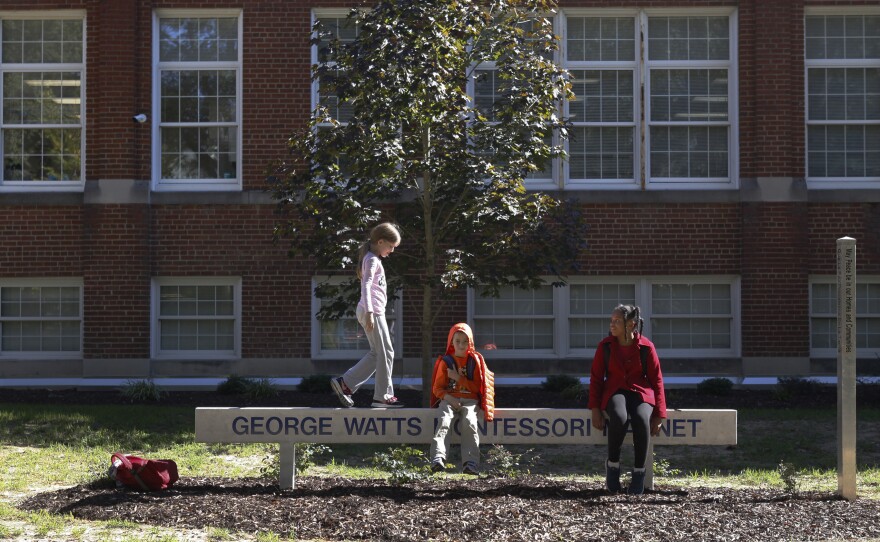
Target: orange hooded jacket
(481,381)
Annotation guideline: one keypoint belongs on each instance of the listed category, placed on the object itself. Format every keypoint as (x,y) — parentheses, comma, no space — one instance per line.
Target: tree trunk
(427,354)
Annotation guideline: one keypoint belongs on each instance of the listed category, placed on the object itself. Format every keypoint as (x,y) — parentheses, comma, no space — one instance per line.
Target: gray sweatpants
(470,439)
(379,360)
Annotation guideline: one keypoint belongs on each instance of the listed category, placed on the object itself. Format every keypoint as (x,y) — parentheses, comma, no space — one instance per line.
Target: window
(823,316)
(518,320)
(42,67)
(690,64)
(41,318)
(683,316)
(197,318)
(345,338)
(198,89)
(842,62)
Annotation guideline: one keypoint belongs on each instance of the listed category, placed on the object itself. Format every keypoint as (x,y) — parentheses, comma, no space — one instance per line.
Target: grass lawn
(44,447)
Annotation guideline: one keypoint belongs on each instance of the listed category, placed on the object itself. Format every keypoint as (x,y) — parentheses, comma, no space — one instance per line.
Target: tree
(398,136)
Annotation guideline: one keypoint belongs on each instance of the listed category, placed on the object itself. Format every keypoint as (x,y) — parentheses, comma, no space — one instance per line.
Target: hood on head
(464,328)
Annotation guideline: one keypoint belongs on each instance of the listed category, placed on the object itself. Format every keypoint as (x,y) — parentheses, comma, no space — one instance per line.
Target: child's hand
(453,401)
(453,375)
(368,322)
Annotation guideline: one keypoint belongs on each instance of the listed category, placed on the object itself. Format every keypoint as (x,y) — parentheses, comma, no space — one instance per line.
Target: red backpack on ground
(144,474)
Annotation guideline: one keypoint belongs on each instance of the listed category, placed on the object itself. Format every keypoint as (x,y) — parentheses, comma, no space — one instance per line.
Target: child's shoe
(470,468)
(393,402)
(342,391)
(438,465)
(637,484)
(612,478)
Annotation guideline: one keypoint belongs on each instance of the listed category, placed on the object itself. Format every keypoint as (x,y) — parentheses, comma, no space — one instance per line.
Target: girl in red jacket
(626,388)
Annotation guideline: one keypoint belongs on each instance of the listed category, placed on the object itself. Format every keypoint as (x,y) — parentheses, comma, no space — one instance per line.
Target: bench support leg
(287,462)
(649,467)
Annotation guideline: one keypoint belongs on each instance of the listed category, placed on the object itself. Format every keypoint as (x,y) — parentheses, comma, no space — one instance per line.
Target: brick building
(720,149)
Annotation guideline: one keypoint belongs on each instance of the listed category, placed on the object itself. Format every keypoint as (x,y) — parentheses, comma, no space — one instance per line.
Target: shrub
(789,476)
(788,388)
(715,386)
(263,388)
(141,391)
(558,383)
(506,464)
(315,384)
(405,464)
(304,458)
(233,385)
(575,394)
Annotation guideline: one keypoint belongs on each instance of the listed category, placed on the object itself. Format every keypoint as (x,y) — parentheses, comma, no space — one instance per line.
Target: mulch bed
(485,509)
(445,508)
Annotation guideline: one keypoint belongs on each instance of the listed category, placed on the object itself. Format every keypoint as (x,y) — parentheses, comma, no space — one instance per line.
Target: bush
(506,464)
(138,391)
(253,389)
(576,394)
(715,386)
(304,458)
(558,383)
(405,464)
(233,385)
(260,389)
(789,388)
(315,384)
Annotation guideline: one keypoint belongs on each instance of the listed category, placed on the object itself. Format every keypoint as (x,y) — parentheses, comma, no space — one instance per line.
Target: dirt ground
(530,508)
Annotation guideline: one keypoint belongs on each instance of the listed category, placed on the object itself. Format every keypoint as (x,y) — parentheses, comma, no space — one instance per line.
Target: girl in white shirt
(384,238)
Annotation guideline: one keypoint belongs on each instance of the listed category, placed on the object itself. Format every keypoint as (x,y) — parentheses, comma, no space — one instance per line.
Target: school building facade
(719,149)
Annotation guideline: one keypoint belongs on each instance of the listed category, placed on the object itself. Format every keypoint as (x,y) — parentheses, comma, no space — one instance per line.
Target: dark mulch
(482,509)
(531,508)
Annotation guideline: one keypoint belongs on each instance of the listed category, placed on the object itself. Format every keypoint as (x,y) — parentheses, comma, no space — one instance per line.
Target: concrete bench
(538,426)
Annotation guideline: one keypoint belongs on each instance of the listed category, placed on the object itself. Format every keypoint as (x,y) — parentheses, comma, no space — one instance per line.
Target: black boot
(637,484)
(612,478)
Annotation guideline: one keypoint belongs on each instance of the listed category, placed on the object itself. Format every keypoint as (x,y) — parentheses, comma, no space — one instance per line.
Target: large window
(689,59)
(344,338)
(683,316)
(42,68)
(196,318)
(198,101)
(823,316)
(842,58)
(41,318)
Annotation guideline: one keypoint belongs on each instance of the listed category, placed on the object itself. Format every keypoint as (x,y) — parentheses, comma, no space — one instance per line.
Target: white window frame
(832,352)
(579,65)
(553,352)
(155,307)
(826,183)
(59,185)
(395,325)
(63,282)
(641,105)
(195,185)
(642,287)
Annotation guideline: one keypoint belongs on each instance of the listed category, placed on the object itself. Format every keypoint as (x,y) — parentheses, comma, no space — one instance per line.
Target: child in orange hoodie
(462,384)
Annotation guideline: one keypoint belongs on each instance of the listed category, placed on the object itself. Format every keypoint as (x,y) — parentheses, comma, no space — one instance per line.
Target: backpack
(644,352)
(144,474)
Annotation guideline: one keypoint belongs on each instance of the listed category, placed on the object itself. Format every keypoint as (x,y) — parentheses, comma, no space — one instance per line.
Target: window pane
(40,319)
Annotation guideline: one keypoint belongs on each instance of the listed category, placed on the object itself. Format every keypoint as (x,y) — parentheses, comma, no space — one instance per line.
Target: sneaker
(438,465)
(612,478)
(470,468)
(637,484)
(388,403)
(342,391)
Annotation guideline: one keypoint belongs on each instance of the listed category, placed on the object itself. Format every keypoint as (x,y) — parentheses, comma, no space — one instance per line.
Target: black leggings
(623,408)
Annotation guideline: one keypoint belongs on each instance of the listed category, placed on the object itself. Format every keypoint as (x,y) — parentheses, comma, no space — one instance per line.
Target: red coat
(627,376)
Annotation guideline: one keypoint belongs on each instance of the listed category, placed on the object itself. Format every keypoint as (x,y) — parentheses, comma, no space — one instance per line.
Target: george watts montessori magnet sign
(417,425)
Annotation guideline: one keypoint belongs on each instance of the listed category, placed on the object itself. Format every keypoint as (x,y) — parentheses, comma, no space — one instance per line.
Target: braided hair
(631,312)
